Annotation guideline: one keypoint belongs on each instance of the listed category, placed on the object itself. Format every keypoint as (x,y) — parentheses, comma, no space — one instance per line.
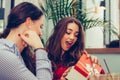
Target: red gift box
(85,67)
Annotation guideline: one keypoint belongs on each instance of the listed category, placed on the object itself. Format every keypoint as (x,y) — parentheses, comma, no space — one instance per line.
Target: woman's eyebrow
(72,30)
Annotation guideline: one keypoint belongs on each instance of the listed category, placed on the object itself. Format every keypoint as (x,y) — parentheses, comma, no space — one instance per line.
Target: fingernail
(19,35)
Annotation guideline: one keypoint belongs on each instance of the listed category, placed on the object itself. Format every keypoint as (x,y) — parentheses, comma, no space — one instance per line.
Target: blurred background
(100,19)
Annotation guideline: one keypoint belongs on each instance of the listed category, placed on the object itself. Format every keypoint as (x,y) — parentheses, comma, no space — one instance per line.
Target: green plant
(57,9)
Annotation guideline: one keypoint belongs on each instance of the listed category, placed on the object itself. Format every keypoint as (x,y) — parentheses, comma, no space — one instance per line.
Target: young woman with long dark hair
(66,45)
(17,61)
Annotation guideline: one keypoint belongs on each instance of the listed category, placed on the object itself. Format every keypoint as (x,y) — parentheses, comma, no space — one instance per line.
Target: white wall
(115,16)
(32,1)
(95,37)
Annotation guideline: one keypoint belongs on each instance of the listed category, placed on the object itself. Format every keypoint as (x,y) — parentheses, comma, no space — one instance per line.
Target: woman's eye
(68,32)
(76,35)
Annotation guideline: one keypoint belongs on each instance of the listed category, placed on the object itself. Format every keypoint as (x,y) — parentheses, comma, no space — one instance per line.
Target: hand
(32,39)
(93,58)
(94,77)
(65,74)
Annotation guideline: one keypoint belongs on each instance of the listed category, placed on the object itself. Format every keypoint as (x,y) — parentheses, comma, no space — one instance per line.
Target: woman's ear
(28,22)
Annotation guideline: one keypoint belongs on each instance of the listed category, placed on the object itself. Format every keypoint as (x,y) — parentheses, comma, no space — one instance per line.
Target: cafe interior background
(97,36)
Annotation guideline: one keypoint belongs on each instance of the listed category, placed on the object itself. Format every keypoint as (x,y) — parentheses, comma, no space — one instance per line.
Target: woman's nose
(72,36)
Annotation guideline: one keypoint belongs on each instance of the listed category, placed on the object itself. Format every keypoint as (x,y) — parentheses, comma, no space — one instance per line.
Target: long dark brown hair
(18,16)
(53,45)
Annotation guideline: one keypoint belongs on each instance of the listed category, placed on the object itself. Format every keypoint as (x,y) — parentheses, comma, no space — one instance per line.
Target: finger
(88,55)
(85,52)
(64,74)
(24,43)
(62,78)
(68,70)
(24,37)
(94,59)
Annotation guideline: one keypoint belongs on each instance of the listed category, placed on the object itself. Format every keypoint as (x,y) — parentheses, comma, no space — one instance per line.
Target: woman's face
(37,25)
(70,37)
